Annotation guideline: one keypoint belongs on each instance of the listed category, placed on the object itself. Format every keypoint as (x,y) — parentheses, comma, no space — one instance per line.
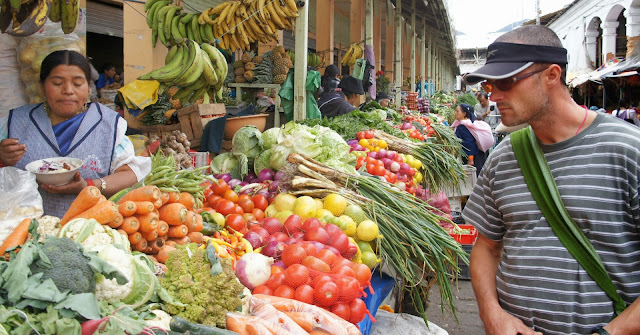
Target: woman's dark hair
(468,110)
(64,57)
(623,103)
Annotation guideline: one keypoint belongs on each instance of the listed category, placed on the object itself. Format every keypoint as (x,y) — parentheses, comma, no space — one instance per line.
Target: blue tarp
(382,285)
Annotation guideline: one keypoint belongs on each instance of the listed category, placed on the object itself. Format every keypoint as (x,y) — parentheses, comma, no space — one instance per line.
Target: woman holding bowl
(68,125)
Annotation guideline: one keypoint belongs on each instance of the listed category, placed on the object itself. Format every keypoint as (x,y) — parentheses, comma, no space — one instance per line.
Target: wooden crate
(189,123)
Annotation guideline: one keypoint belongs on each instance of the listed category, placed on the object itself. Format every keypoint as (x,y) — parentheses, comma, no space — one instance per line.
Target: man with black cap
(525,277)
(341,102)
(383,99)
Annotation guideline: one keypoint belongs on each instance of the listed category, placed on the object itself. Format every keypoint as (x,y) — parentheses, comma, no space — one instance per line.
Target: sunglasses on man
(507,83)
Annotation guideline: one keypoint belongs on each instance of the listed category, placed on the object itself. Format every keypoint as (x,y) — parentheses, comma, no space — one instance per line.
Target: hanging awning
(605,71)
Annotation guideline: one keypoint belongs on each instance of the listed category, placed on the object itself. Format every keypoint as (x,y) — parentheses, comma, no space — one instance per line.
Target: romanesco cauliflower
(207,298)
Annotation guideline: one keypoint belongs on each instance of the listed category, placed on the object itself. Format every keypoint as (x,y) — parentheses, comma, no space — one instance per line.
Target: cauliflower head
(90,233)
(109,289)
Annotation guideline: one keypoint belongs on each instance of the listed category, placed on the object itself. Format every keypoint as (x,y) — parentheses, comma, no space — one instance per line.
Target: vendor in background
(487,111)
(475,156)
(107,77)
(344,101)
(67,125)
(383,99)
(330,79)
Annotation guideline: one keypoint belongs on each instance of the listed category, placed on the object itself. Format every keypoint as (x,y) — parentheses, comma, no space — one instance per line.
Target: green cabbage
(235,164)
(263,161)
(270,137)
(248,141)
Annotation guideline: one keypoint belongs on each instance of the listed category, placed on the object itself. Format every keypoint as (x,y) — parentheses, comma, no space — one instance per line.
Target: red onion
(280,264)
(391,154)
(290,240)
(319,246)
(254,239)
(352,141)
(382,153)
(332,249)
(266,174)
(406,126)
(234,182)
(273,186)
(273,249)
(279,175)
(394,166)
(264,192)
(373,155)
(251,177)
(404,168)
(358,147)
(253,269)
(387,163)
(225,176)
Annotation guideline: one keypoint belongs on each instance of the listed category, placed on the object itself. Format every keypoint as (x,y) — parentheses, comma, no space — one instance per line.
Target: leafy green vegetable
(248,141)
(270,137)
(263,161)
(347,125)
(236,164)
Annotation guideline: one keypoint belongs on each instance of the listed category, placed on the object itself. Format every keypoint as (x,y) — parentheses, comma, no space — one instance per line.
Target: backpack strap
(542,186)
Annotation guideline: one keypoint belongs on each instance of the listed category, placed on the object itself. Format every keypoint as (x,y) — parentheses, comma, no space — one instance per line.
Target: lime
(284,202)
(355,212)
(367,231)
(335,203)
(350,225)
(321,213)
(365,246)
(369,259)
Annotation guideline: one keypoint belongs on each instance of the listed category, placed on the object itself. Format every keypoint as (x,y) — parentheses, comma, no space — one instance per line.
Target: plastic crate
(465,274)
(466,238)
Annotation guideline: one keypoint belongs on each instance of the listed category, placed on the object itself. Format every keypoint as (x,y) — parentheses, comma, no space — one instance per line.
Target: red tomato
(243,197)
(370,167)
(246,204)
(276,269)
(293,254)
(212,200)
(341,310)
(258,214)
(326,294)
(326,255)
(276,280)
(392,178)
(349,288)
(318,280)
(358,310)
(378,162)
(249,217)
(296,275)
(260,201)
(309,248)
(363,273)
(239,210)
(263,289)
(368,134)
(208,192)
(344,270)
(284,291)
(304,293)
(236,222)
(360,135)
(225,207)
(379,171)
(220,187)
(316,264)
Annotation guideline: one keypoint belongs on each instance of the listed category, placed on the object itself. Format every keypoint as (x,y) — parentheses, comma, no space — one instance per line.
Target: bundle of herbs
(414,245)
(156,114)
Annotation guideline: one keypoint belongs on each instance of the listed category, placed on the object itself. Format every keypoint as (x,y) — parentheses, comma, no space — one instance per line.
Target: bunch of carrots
(153,221)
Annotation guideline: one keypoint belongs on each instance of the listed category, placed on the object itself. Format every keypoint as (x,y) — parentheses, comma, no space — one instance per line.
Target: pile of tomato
(238,209)
(319,277)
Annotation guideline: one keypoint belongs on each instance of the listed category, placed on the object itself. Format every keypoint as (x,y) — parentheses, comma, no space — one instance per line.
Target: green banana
(187,27)
(186,91)
(218,61)
(55,9)
(198,94)
(195,29)
(70,11)
(171,70)
(152,20)
(148,4)
(187,18)
(195,69)
(166,27)
(175,32)
(188,60)
(182,29)
(170,54)
(159,13)
(208,71)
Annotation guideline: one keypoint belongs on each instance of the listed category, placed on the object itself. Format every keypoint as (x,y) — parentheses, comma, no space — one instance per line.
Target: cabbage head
(248,141)
(235,164)
(263,161)
(270,137)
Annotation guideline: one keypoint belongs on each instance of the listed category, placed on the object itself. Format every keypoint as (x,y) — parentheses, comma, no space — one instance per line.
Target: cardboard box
(189,123)
(211,109)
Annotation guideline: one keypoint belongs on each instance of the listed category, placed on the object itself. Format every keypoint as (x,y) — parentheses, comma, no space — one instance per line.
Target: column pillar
(609,39)
(389,47)
(398,53)
(412,84)
(325,36)
(633,30)
(377,36)
(300,76)
(590,43)
(430,62)
(356,15)
(423,60)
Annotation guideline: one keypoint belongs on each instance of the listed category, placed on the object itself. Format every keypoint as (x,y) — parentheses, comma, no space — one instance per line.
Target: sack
(12,91)
(481,131)
(21,199)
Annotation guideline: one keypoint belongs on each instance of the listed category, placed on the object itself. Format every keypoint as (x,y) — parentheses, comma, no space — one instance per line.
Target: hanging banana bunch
(354,53)
(195,69)
(25,17)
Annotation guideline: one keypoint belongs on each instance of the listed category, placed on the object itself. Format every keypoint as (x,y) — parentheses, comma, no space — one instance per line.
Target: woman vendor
(341,102)
(68,125)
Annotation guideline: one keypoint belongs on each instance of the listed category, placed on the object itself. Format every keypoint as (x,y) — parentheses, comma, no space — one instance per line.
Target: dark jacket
(333,104)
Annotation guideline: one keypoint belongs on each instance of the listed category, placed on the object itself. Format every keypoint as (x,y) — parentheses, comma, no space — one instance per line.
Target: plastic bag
(34,48)
(401,324)
(21,199)
(12,93)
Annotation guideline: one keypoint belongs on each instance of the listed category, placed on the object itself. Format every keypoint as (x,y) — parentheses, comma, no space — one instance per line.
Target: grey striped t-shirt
(597,173)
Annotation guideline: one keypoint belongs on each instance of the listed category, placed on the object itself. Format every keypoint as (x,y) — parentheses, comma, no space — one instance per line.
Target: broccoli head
(69,267)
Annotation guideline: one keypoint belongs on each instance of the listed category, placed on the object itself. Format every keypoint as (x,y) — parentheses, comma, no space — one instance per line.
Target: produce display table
(240,87)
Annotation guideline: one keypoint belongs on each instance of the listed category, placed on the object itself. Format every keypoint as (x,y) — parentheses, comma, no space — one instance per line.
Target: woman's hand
(11,151)
(73,187)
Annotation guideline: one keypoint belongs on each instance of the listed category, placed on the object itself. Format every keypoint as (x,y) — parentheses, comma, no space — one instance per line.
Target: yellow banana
(219,8)
(241,31)
(232,12)
(347,56)
(274,16)
(242,11)
(70,10)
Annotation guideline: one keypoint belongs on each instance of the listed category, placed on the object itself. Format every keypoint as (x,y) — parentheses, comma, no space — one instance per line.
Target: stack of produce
(423,105)
(174,144)
(412,100)
(281,64)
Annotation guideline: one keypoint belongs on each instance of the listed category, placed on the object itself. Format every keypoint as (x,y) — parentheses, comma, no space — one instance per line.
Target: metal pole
(300,66)
(398,56)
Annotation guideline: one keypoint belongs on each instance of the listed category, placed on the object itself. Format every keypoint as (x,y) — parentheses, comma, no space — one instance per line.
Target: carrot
(158,203)
(191,222)
(117,221)
(187,200)
(163,253)
(278,319)
(140,246)
(163,228)
(196,237)
(304,320)
(234,324)
(170,243)
(150,235)
(130,225)
(148,222)
(165,197)
(86,199)
(145,193)
(178,231)
(17,237)
(173,197)
(173,213)
(127,208)
(199,223)
(182,240)
(156,245)
(102,212)
(121,231)
(144,207)
(135,237)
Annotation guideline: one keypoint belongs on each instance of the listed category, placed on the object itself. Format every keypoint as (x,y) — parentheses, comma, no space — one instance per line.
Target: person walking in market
(487,111)
(466,128)
(524,269)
